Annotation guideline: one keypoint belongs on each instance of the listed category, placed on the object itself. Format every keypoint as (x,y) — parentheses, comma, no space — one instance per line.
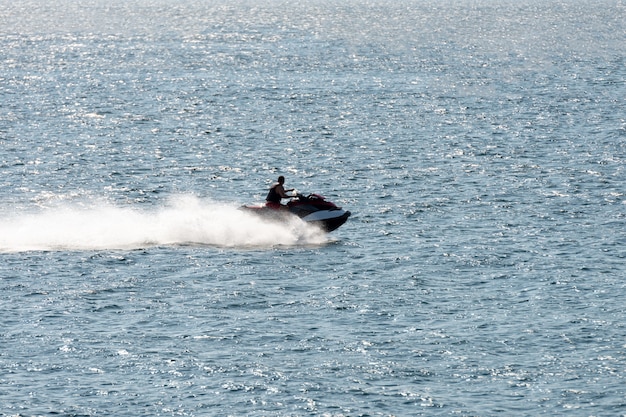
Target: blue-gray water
(481,146)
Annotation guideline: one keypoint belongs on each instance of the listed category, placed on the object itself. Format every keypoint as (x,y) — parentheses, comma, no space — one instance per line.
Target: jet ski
(312,208)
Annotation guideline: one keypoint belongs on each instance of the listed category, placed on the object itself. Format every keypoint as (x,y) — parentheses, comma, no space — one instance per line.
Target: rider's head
(281,180)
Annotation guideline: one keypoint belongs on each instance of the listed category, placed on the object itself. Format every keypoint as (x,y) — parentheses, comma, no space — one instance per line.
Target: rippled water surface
(480,145)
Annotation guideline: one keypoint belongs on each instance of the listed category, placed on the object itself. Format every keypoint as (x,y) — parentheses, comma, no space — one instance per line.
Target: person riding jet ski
(276,194)
(312,208)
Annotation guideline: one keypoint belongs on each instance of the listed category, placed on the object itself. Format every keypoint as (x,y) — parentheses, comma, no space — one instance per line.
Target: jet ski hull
(313,209)
(328,220)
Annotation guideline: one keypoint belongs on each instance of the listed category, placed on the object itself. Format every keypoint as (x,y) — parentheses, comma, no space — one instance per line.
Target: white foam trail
(185,220)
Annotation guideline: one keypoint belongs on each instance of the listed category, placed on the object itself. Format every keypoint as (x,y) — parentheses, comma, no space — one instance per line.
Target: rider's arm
(281,191)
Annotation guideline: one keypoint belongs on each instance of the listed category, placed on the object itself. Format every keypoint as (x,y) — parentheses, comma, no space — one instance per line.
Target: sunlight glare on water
(480,146)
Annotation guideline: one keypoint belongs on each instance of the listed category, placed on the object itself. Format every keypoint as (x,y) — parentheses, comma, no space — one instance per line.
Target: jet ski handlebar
(301,196)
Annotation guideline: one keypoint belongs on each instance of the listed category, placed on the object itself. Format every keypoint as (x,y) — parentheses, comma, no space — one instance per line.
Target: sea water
(480,145)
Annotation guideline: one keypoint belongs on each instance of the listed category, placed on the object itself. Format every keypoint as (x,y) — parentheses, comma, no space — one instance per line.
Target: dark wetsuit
(273,198)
